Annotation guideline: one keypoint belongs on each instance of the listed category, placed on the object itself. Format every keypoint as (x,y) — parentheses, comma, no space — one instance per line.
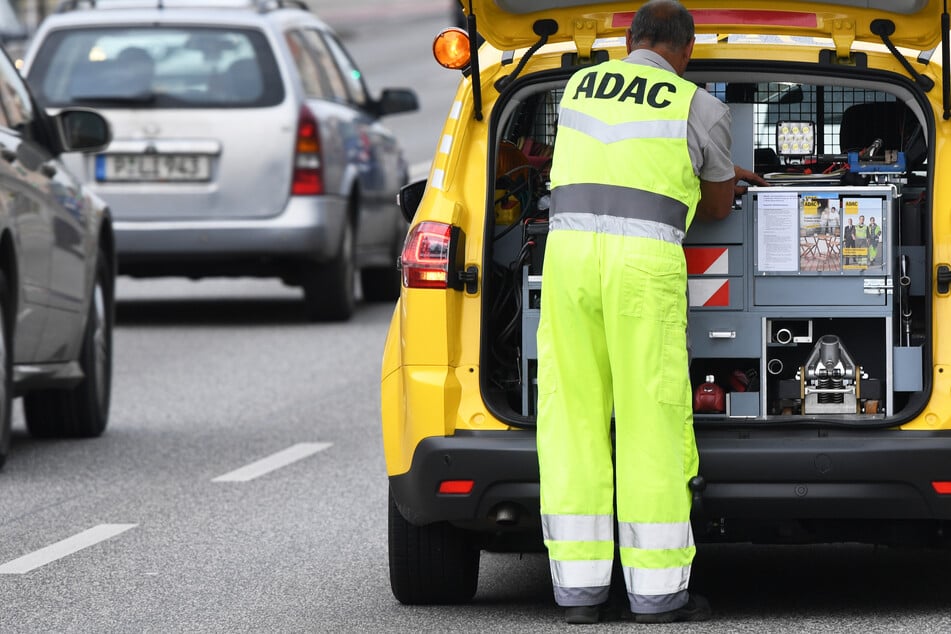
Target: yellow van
(824,386)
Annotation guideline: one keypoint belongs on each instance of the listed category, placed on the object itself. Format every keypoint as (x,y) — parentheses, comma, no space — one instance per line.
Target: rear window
(156,67)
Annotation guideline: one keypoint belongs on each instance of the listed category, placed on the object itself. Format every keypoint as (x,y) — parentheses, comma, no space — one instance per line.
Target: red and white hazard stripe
(707,260)
(709,292)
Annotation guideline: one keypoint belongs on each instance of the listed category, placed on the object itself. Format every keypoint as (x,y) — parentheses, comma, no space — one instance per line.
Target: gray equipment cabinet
(792,302)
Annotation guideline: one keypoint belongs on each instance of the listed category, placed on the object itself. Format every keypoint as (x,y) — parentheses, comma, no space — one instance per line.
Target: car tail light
(941,487)
(456,487)
(308,173)
(425,257)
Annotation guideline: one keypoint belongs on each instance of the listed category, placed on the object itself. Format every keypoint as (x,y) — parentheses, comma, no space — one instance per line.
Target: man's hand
(743,174)
(716,198)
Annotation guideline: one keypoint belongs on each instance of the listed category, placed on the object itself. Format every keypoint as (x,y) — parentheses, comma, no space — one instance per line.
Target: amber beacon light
(451,48)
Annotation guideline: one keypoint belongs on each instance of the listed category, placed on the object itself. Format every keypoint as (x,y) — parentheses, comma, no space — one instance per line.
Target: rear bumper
(878,474)
(765,477)
(503,465)
(308,227)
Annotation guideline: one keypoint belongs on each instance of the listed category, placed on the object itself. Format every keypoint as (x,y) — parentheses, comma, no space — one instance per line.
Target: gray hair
(663,22)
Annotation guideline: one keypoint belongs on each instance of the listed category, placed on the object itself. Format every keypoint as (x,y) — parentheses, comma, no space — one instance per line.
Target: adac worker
(639,152)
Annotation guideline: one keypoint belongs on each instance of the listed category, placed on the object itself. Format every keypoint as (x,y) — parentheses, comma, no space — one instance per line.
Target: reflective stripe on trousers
(612,337)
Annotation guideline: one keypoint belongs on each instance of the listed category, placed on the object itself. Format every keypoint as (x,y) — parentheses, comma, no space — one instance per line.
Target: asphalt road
(240,486)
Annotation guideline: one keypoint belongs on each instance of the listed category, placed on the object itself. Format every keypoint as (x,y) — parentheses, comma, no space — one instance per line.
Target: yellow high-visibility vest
(625,126)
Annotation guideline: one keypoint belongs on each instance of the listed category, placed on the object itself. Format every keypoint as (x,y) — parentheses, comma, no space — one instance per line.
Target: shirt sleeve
(709,138)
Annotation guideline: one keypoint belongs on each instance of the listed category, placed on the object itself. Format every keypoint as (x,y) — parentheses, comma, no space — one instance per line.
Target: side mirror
(82,130)
(397,100)
(409,198)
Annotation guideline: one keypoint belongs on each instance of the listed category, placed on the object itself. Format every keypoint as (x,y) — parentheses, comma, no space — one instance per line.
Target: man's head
(861,220)
(665,27)
(872,220)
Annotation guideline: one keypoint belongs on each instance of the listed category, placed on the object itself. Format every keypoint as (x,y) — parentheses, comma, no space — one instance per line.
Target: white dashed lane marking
(61,549)
(272,462)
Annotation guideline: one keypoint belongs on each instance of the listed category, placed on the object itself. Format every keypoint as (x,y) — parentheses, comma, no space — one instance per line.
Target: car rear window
(156,67)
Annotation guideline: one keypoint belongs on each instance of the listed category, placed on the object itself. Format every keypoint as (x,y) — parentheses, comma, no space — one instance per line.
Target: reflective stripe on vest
(601,141)
(612,225)
(621,202)
(606,133)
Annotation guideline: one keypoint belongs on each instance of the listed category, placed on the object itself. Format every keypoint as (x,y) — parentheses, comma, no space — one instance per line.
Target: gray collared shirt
(708,126)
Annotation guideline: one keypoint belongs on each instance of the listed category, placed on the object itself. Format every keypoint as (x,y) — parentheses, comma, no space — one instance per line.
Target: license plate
(153,167)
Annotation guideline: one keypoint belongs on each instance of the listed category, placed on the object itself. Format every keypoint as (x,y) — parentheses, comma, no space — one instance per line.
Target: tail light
(425,257)
(456,487)
(433,258)
(308,177)
(942,487)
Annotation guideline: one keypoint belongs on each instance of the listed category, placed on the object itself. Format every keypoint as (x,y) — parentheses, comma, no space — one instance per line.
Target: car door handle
(48,170)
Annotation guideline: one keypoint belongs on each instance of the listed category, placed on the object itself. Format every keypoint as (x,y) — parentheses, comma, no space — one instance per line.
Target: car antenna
(474,63)
(946,62)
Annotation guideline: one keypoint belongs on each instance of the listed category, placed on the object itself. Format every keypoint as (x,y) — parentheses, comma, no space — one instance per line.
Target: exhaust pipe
(507,514)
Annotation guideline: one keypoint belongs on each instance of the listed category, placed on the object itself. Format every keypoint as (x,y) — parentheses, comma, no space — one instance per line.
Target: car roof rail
(263,6)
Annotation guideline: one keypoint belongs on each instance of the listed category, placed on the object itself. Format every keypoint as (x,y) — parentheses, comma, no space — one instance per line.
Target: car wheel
(382,283)
(329,287)
(82,411)
(435,563)
(6,371)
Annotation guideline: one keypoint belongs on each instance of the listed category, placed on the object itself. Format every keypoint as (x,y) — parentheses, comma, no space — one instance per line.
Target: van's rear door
(509,24)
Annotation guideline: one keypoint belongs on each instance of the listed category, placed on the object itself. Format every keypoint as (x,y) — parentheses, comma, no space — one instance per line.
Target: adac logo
(612,86)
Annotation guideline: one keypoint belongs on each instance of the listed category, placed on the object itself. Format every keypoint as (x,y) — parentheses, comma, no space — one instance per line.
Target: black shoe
(582,614)
(696,609)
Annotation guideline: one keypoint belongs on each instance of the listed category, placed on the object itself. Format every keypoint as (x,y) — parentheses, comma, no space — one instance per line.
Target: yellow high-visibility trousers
(612,336)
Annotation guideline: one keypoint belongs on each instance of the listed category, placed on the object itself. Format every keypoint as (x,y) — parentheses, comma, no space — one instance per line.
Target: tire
(81,411)
(431,564)
(6,369)
(380,284)
(383,283)
(329,287)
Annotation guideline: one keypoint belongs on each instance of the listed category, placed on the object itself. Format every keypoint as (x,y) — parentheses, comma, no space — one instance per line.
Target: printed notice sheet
(777,239)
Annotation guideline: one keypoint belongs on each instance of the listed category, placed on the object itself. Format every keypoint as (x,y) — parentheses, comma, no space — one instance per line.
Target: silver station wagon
(246,143)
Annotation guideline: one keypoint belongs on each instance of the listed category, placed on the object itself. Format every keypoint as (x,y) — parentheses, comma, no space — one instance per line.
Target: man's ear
(688,51)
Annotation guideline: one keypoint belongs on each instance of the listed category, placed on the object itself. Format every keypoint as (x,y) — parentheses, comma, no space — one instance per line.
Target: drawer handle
(722,334)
